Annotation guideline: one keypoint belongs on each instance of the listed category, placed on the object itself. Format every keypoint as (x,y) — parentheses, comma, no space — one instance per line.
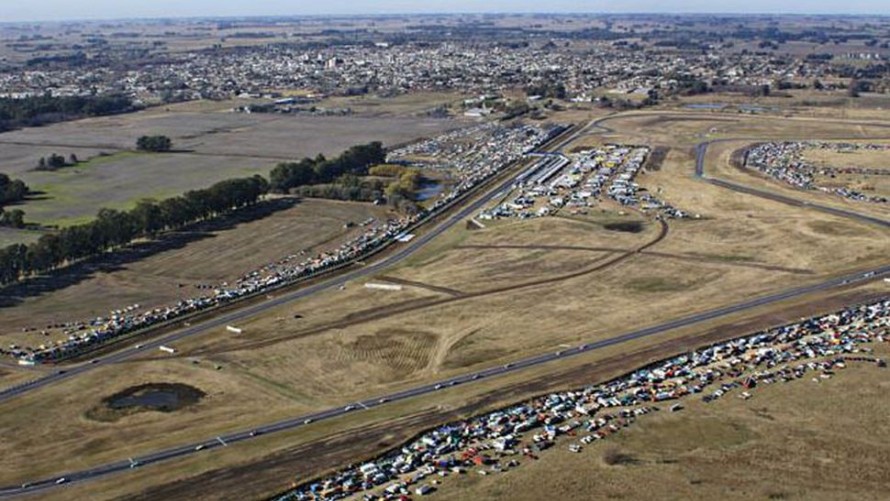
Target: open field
(219,252)
(798,103)
(211,146)
(799,440)
(9,236)
(414,104)
(864,159)
(873,184)
(479,298)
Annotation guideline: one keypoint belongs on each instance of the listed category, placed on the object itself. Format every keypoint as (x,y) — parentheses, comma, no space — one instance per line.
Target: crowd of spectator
(496,442)
(786,162)
(496,147)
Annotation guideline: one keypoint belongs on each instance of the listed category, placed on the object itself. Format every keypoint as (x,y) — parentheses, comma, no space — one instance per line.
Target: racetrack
(210,443)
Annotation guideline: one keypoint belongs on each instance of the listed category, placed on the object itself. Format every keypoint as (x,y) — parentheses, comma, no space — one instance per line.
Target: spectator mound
(161,397)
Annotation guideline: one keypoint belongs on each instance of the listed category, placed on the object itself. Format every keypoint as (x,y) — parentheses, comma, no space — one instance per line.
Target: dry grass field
(869,183)
(218,253)
(471,299)
(799,440)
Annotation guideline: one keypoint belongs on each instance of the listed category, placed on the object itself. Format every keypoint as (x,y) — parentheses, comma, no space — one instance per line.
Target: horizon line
(465,13)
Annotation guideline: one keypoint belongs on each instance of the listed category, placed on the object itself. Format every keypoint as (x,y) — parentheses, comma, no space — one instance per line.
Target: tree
(356,161)
(147,217)
(12,219)
(56,161)
(12,190)
(156,144)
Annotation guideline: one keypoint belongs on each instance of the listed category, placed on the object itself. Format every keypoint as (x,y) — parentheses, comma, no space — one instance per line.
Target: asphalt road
(211,443)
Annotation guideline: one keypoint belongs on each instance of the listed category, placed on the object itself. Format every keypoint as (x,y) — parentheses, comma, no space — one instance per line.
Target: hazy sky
(36,10)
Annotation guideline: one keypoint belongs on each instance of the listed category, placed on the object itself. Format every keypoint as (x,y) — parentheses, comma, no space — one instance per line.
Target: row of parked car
(577,181)
(497,441)
(787,163)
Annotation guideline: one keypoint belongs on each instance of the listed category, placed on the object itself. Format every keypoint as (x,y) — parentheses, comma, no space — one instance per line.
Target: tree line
(356,161)
(55,162)
(113,229)
(40,110)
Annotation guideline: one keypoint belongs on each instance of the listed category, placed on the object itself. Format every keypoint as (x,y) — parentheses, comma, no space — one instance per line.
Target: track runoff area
(211,443)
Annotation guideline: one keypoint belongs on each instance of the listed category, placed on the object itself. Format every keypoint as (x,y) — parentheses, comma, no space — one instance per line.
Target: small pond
(164,397)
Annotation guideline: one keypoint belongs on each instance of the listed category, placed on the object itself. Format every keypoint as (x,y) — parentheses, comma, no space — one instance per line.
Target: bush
(155,144)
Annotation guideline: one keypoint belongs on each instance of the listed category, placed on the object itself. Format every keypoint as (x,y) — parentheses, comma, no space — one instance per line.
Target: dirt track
(685,257)
(305,462)
(421,285)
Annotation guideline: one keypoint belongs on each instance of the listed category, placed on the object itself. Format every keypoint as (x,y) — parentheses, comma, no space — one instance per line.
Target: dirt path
(420,285)
(685,257)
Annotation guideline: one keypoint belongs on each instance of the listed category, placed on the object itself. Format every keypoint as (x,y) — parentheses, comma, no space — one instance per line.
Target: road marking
(363,405)
(222,441)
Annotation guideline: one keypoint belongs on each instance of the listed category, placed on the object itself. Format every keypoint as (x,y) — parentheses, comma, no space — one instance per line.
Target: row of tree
(355,161)
(56,162)
(113,228)
(39,110)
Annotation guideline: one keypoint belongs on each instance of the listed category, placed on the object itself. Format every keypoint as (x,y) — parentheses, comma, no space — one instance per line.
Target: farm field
(210,146)
(218,252)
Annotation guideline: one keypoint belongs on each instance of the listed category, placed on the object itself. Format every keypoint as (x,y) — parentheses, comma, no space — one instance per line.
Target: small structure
(384,287)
